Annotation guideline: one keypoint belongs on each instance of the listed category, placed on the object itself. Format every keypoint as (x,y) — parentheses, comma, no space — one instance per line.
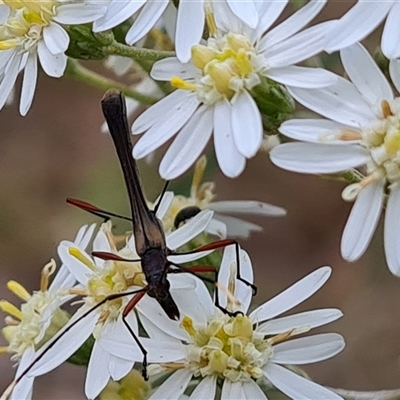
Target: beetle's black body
(147,228)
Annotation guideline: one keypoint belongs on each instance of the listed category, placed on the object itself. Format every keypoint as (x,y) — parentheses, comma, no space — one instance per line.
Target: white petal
(75,14)
(246,11)
(182,282)
(390,43)
(230,161)
(118,368)
(304,77)
(313,130)
(5,57)
(295,22)
(232,391)
(188,145)
(165,70)
(184,258)
(117,12)
(205,389)
(298,47)
(149,15)
(217,228)
(4,13)
(56,38)
(101,242)
(196,304)
(294,295)
(253,391)
(23,390)
(165,204)
(192,303)
(154,331)
(246,125)
(295,386)
(271,10)
(365,74)
(189,27)
(316,158)
(362,221)
(309,319)
(164,129)
(53,65)
(243,292)
(394,69)
(84,236)
(190,230)
(69,342)
(157,112)
(79,270)
(341,102)
(248,207)
(356,24)
(237,227)
(9,78)
(226,20)
(28,84)
(63,279)
(308,349)
(174,386)
(97,375)
(392,231)
(158,351)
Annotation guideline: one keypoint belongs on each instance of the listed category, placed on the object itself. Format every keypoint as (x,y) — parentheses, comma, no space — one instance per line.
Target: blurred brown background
(57,151)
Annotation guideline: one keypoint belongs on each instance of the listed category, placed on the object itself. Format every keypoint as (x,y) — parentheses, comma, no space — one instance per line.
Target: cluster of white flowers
(235,77)
(244,351)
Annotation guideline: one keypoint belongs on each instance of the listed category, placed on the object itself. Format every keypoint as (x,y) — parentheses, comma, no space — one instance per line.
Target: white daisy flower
(202,195)
(362,131)
(190,20)
(244,348)
(213,90)
(363,18)
(40,317)
(97,279)
(33,29)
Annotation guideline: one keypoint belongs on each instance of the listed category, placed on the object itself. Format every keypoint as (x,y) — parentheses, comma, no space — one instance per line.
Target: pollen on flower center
(113,277)
(382,138)
(227,347)
(24,25)
(37,320)
(226,66)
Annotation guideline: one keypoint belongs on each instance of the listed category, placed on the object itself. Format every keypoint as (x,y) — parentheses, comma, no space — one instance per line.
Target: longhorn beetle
(149,238)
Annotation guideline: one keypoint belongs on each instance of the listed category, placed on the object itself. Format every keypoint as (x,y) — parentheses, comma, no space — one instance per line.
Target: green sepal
(82,355)
(274,102)
(86,45)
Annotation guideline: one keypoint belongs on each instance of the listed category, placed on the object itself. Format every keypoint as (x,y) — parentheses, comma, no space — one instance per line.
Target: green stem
(77,71)
(120,49)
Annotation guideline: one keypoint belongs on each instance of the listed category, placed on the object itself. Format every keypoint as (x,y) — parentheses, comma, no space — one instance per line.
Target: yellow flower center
(227,65)
(25,23)
(32,325)
(227,347)
(382,138)
(131,387)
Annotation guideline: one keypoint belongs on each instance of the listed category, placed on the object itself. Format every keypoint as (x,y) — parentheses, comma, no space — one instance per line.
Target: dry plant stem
(77,71)
(379,395)
(119,49)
